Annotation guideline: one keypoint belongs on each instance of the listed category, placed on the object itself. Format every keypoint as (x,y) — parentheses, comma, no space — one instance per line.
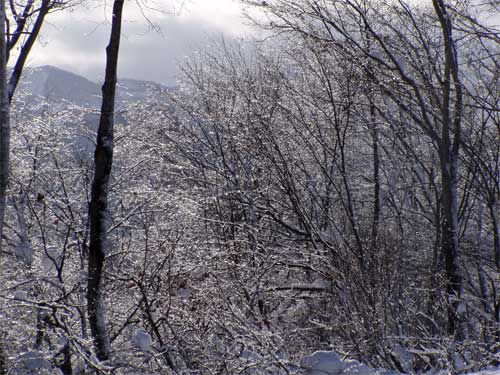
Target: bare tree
(436,102)
(4,151)
(98,210)
(28,18)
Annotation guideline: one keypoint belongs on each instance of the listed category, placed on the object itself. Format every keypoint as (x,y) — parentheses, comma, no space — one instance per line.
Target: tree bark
(376,176)
(98,212)
(4,152)
(26,48)
(449,154)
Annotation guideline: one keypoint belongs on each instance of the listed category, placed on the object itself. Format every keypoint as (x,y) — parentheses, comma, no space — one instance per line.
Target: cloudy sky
(76,40)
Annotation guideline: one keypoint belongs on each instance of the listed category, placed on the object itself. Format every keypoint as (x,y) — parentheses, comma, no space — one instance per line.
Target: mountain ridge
(54,84)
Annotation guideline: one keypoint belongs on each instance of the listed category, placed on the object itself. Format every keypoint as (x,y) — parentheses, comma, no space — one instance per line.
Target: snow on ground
(329,363)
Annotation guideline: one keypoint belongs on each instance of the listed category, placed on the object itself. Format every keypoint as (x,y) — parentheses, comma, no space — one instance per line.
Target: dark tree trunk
(4,153)
(66,367)
(98,212)
(376,178)
(449,154)
(26,48)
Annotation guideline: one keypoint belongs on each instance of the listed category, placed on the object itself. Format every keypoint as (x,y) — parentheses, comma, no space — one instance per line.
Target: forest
(330,190)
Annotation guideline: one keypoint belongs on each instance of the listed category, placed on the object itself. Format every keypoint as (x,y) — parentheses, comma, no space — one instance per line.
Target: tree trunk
(98,212)
(449,154)
(493,211)
(26,48)
(4,153)
(376,178)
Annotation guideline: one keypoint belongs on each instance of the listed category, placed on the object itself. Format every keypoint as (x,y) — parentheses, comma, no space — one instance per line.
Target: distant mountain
(51,84)
(47,91)
(54,85)
(132,90)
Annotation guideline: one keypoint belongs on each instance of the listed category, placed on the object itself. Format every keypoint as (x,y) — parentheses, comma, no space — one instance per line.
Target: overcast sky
(76,40)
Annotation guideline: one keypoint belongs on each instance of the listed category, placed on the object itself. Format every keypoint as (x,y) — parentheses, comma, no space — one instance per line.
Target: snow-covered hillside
(54,85)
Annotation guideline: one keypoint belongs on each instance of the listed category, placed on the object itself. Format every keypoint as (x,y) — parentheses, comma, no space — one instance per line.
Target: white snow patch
(20,295)
(184,293)
(405,358)
(62,341)
(322,362)
(34,360)
(24,253)
(329,363)
(142,340)
(354,367)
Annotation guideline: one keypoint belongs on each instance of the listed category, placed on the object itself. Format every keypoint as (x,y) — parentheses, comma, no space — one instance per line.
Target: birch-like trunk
(98,212)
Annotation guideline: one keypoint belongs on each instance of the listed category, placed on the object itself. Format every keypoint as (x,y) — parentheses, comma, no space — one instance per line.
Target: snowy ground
(329,363)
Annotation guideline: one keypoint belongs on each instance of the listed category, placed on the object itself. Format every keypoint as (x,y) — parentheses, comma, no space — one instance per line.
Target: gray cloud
(73,42)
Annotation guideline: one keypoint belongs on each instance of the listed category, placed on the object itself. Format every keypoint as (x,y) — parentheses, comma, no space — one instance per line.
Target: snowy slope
(54,85)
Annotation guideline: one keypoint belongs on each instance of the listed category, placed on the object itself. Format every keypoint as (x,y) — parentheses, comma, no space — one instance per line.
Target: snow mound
(329,363)
(322,363)
(34,360)
(142,340)
(20,295)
